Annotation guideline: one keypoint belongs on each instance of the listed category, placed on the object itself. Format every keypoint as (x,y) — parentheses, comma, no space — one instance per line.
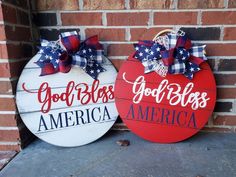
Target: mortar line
(81,5)
(226,4)
(127,4)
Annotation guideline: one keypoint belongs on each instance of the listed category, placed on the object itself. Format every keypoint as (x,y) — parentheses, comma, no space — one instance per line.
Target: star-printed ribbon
(177,57)
(68,51)
(149,53)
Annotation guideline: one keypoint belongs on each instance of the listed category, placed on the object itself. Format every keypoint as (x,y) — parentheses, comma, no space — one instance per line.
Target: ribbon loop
(70,41)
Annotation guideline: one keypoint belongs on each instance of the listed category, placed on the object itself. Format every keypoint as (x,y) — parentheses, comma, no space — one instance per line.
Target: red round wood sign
(164,109)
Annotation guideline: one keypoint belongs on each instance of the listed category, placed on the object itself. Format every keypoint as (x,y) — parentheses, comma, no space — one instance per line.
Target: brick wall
(119,23)
(16,48)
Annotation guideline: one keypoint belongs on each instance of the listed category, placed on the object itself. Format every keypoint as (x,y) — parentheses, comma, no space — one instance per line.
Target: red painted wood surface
(160,120)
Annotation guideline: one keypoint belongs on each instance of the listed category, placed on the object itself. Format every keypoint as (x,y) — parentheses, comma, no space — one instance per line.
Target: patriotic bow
(68,51)
(178,56)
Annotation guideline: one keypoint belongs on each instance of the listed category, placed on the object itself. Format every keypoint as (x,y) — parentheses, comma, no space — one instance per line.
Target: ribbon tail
(199,51)
(189,75)
(94,69)
(65,63)
(47,69)
(77,60)
(191,68)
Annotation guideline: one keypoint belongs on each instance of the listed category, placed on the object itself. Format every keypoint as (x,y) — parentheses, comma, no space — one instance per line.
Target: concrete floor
(206,155)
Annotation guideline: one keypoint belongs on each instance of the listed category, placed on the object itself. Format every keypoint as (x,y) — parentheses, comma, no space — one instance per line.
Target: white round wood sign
(67,109)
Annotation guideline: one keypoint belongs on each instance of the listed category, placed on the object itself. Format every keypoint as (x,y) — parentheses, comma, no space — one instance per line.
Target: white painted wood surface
(72,135)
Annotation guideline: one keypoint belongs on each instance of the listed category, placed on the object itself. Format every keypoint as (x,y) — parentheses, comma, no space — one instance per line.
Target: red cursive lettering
(85,94)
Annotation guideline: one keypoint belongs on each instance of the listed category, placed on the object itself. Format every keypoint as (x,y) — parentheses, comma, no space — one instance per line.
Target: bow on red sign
(179,56)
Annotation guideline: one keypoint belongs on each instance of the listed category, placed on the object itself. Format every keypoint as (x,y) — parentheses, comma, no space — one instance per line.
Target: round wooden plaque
(164,109)
(67,109)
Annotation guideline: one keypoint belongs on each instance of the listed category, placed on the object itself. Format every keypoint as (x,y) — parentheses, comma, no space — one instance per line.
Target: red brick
(45,19)
(225,79)
(3,51)
(5,87)
(225,106)
(175,18)
(144,33)
(5,70)
(22,17)
(15,51)
(7,104)
(18,33)
(229,33)
(200,4)
(2,33)
(127,19)
(225,120)
(120,49)
(218,129)
(81,19)
(9,14)
(106,34)
(26,137)
(151,4)
(18,51)
(218,17)
(225,65)
(117,63)
(7,120)
(226,93)
(9,135)
(211,62)
(17,67)
(104,4)
(221,49)
(202,33)
(19,3)
(10,148)
(57,4)
(232,4)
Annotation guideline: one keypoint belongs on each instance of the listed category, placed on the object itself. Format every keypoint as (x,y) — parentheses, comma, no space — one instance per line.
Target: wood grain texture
(67,125)
(156,119)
